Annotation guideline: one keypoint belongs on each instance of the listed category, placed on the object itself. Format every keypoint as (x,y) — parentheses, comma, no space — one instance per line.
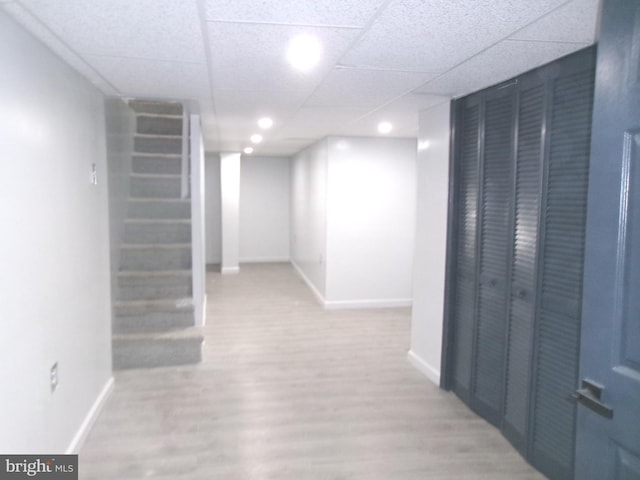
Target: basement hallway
(289,391)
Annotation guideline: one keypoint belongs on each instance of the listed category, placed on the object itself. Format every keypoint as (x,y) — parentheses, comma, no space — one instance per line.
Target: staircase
(153,322)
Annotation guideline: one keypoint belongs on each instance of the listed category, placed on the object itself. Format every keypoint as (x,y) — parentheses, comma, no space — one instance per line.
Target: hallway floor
(288,391)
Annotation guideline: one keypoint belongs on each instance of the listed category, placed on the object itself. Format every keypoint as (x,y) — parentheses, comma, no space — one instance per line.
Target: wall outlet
(53,377)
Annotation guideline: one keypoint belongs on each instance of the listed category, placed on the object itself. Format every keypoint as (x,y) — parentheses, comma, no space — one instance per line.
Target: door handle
(589,395)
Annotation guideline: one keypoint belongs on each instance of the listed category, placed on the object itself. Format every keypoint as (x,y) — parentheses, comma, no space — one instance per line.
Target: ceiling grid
(382,60)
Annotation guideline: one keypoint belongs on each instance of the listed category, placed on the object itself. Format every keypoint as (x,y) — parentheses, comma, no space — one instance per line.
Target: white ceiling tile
(304,126)
(318,122)
(349,87)
(404,125)
(435,35)
(285,148)
(294,12)
(402,114)
(414,103)
(262,63)
(156,49)
(44,34)
(152,29)
(367,127)
(154,78)
(236,133)
(497,64)
(247,106)
(573,22)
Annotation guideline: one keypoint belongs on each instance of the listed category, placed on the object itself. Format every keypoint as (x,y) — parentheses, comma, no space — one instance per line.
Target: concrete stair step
(152,315)
(155,107)
(145,185)
(157,349)
(167,144)
(149,285)
(158,125)
(154,256)
(160,208)
(157,164)
(157,231)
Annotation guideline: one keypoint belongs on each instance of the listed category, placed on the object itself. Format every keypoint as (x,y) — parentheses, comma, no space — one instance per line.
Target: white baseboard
(230,270)
(201,313)
(353,304)
(313,288)
(427,370)
(350,304)
(265,260)
(81,435)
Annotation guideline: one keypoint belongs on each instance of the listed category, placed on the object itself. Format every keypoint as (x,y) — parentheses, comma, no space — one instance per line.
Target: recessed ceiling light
(248,150)
(256,138)
(304,52)
(265,123)
(385,127)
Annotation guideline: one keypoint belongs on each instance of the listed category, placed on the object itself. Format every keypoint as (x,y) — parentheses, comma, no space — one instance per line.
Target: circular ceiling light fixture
(384,127)
(248,150)
(256,138)
(265,122)
(304,52)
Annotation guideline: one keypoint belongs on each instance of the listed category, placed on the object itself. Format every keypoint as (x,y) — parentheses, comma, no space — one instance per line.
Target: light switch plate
(53,376)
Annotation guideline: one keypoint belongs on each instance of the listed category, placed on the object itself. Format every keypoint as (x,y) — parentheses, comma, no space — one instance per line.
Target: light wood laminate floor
(288,391)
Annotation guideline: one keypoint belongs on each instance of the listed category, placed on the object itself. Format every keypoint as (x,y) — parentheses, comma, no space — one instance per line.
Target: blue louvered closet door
(464,266)
(494,241)
(528,161)
(521,156)
(557,327)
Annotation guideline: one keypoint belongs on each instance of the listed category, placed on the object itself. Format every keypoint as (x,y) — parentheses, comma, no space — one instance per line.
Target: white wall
(370,222)
(198,225)
(431,241)
(54,281)
(264,209)
(212,209)
(309,215)
(230,208)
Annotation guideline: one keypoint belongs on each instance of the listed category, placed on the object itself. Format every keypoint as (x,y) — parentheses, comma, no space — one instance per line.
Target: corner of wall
(423,367)
(316,293)
(429,263)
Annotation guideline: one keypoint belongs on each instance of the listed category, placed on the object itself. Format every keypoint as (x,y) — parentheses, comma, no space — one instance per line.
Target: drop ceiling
(381,59)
